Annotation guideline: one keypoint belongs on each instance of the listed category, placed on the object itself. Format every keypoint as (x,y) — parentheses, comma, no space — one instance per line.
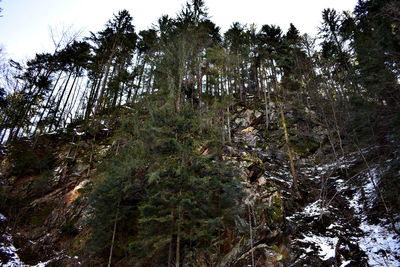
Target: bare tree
(66,35)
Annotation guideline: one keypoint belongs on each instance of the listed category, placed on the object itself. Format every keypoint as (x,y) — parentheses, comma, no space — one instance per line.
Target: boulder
(79,169)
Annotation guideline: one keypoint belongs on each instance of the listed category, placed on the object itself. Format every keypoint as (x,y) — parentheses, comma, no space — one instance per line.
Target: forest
(181,145)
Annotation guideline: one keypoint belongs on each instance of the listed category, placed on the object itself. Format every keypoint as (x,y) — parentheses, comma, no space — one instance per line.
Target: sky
(25,24)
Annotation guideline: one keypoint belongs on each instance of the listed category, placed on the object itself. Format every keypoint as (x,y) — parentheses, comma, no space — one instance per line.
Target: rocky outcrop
(329,225)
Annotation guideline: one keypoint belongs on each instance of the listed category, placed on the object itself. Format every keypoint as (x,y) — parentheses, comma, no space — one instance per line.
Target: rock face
(331,224)
(50,217)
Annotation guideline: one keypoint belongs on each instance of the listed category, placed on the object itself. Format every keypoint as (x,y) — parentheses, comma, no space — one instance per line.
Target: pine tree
(186,199)
(190,195)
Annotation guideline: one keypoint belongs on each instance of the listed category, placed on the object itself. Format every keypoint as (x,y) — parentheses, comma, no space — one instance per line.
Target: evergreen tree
(377,45)
(190,196)
(187,198)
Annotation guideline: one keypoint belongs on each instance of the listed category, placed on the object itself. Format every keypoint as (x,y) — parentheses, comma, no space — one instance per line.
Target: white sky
(24,26)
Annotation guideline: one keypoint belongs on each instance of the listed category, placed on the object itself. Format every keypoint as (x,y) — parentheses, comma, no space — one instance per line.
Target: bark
(103,87)
(265,98)
(229,127)
(113,239)
(178,101)
(170,252)
(3,135)
(289,150)
(60,99)
(149,87)
(47,103)
(140,79)
(178,234)
(251,236)
(73,101)
(116,91)
(66,101)
(223,127)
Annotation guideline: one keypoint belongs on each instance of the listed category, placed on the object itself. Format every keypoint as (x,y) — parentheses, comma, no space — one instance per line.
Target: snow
(274,178)
(380,244)
(8,248)
(14,260)
(326,245)
(345,263)
(311,210)
(314,209)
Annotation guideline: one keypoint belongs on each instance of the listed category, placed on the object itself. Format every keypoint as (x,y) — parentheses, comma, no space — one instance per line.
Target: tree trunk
(229,127)
(178,234)
(66,101)
(113,239)
(178,102)
(59,100)
(92,96)
(289,150)
(47,104)
(73,101)
(251,236)
(265,98)
(149,87)
(103,87)
(170,252)
(2,136)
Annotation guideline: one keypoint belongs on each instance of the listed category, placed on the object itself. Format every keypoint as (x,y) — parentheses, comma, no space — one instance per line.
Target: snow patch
(380,245)
(326,245)
(344,264)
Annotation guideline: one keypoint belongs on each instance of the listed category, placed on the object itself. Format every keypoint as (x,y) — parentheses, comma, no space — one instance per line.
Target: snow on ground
(311,210)
(8,248)
(326,245)
(381,244)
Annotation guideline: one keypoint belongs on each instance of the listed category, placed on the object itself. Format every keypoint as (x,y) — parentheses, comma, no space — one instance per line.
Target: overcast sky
(24,26)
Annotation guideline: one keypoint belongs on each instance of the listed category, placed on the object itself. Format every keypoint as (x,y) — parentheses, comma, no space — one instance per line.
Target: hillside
(179,146)
(337,218)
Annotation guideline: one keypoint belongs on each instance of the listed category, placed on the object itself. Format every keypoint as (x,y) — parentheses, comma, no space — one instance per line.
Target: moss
(41,184)
(84,191)
(69,226)
(38,217)
(304,146)
(22,158)
(78,244)
(275,248)
(261,144)
(274,212)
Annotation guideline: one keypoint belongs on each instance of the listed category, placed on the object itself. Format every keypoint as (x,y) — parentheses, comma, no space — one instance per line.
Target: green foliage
(22,157)
(391,182)
(111,198)
(28,161)
(376,41)
(41,184)
(69,226)
(40,214)
(303,146)
(159,172)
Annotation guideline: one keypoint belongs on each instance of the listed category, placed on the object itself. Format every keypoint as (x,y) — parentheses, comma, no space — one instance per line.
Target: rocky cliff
(336,218)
